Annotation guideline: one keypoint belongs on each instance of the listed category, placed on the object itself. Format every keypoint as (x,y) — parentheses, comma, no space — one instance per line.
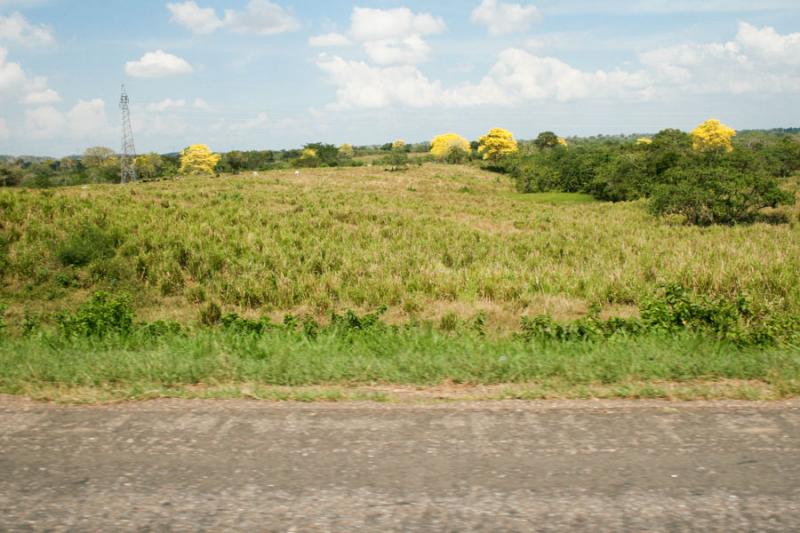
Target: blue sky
(257,74)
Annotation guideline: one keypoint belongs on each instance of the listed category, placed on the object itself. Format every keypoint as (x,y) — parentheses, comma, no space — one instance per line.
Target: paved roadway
(507,466)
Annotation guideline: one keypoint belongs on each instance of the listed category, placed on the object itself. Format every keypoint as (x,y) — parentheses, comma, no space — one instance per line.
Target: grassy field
(435,245)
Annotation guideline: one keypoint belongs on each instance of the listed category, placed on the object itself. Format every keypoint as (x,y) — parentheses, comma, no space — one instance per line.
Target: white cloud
(260,17)
(502,18)
(166,104)
(43,97)
(329,40)
(15,28)
(409,50)
(15,84)
(258,122)
(5,133)
(388,36)
(44,122)
(86,119)
(158,64)
(361,85)
(159,124)
(195,18)
(758,60)
(368,24)
(517,76)
(201,104)
(11,74)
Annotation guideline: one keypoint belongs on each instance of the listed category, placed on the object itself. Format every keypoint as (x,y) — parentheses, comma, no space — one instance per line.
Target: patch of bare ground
(690,391)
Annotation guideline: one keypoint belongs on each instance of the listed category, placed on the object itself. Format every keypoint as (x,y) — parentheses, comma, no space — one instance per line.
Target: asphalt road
(510,466)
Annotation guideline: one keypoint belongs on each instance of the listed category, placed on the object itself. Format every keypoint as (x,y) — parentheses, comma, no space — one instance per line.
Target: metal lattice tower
(127,169)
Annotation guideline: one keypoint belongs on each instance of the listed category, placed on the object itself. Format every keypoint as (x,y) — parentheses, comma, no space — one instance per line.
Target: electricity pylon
(128,156)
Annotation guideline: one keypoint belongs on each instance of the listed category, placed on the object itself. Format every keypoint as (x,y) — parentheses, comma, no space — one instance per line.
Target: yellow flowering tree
(713,136)
(497,144)
(450,146)
(346,151)
(562,142)
(399,144)
(644,141)
(198,159)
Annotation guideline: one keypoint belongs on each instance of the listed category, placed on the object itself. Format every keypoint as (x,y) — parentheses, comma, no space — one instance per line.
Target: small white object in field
(255,173)
(296,172)
(85,187)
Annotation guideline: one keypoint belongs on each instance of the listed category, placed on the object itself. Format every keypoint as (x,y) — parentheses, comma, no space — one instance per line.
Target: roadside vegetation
(481,263)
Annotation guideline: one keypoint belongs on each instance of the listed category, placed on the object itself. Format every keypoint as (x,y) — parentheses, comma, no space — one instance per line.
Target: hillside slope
(431,241)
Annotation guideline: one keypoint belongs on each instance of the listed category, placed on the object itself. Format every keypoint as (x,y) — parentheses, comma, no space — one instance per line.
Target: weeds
(360,240)
(103,314)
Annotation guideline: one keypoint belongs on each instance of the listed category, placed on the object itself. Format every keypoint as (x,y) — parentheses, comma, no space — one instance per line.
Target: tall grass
(427,242)
(414,356)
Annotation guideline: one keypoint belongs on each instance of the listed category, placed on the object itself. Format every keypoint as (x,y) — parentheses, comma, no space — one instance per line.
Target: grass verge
(391,364)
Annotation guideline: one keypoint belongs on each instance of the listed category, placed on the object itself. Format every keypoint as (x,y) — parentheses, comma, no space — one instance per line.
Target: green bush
(351,321)
(457,156)
(160,328)
(103,314)
(716,195)
(672,310)
(88,243)
(233,322)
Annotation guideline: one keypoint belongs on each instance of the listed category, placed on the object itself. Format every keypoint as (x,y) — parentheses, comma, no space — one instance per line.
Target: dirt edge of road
(665,392)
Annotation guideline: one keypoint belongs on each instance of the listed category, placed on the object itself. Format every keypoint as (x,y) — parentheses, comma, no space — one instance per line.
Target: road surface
(491,466)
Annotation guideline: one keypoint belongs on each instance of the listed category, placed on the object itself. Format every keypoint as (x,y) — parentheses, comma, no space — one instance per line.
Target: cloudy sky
(256,74)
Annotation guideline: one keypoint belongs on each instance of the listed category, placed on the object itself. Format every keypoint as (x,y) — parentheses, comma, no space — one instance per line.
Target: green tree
(398,157)
(713,194)
(234,161)
(10,174)
(149,166)
(102,164)
(546,139)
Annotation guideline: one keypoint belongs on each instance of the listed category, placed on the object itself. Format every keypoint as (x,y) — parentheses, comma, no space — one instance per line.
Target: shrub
(716,195)
(351,321)
(456,155)
(101,315)
(88,243)
(160,328)
(233,322)
(211,314)
(543,327)
(671,310)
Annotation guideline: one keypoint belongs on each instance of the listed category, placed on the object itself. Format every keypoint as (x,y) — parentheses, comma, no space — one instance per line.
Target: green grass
(331,239)
(554,198)
(435,245)
(221,362)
